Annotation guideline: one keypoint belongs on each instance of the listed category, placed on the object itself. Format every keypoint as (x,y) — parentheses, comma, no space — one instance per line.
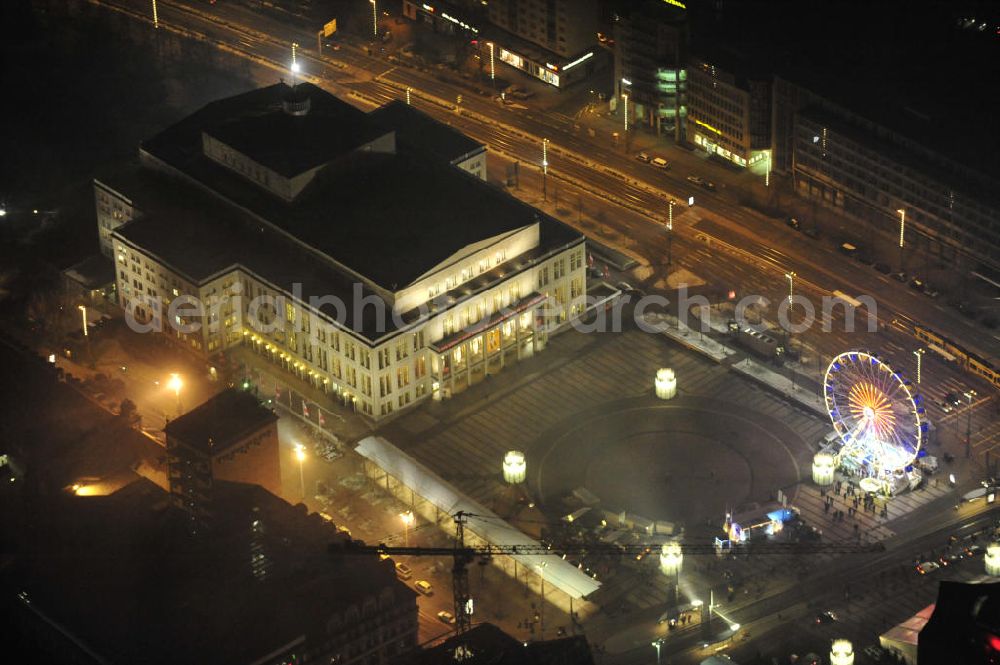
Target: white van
(660,163)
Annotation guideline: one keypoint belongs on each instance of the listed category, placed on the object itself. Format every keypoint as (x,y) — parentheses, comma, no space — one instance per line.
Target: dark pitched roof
(227,417)
(486,644)
(419,133)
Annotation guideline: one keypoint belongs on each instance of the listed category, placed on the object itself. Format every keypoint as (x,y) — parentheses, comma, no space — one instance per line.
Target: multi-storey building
(650,50)
(847,161)
(229,437)
(338,251)
(553,40)
(729,114)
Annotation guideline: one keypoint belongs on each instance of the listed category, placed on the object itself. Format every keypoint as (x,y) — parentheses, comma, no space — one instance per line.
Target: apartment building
(339,251)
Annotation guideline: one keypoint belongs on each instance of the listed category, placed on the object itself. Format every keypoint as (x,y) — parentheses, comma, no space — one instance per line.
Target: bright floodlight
(874,412)
(407,517)
(665,383)
(671,558)
(992,559)
(296,68)
(514,467)
(175,383)
(823,469)
(300,452)
(841,653)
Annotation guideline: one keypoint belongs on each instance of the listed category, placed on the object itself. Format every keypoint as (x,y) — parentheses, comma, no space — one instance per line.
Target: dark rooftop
(123,576)
(388,218)
(419,133)
(223,419)
(485,644)
(93,272)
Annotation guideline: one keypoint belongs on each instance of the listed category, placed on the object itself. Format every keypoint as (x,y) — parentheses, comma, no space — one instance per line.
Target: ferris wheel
(874,412)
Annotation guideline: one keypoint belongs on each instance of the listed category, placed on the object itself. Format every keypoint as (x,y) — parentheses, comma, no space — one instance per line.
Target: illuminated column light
(295,60)
(671,558)
(545,156)
(625,97)
(666,383)
(156,16)
(919,353)
(514,467)
(823,469)
(902,226)
(790,276)
(841,653)
(407,96)
(374,19)
(493,73)
(992,560)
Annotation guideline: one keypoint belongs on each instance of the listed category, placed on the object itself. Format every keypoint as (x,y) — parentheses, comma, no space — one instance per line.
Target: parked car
(793,223)
(446,616)
(899,277)
(643,157)
(953,398)
(424,587)
(403,571)
(917,284)
(701,182)
(927,567)
(660,163)
(883,268)
(930,292)
(973,550)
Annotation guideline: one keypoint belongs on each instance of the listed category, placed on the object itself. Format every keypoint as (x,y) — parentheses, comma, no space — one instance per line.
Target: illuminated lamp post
(968,423)
(823,469)
(156,16)
(670,231)
(407,518)
(841,653)
(992,559)
(514,467)
(658,644)
(671,559)
(666,383)
(545,169)
(919,353)
(902,235)
(176,384)
(300,455)
(493,71)
(374,20)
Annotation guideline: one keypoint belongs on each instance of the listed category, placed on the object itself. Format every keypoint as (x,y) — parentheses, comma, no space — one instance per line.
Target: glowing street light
(545,169)
(83,312)
(175,383)
(657,644)
(300,455)
(407,518)
(295,62)
(407,96)
(374,19)
(841,652)
(790,276)
(919,353)
(670,231)
(156,16)
(493,73)
(902,234)
(625,97)
(968,423)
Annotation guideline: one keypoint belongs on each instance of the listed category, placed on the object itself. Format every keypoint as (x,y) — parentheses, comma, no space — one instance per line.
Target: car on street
(794,223)
(643,157)
(701,182)
(660,163)
(917,284)
(826,617)
(930,292)
(403,571)
(953,398)
(883,268)
(899,277)
(424,587)
(446,616)
(973,550)
(848,249)
(927,567)
(945,406)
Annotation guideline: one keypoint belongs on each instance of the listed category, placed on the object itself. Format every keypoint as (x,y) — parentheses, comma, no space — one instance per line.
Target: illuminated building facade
(552,40)
(378,271)
(650,49)
(729,115)
(845,161)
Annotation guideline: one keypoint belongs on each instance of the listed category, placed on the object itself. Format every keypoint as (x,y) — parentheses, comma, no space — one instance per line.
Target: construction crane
(462,555)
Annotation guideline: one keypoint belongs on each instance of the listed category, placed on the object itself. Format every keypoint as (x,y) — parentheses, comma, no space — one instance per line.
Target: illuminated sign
(551,66)
(429,8)
(330,28)
(457,22)
(676,3)
(707,126)
(579,60)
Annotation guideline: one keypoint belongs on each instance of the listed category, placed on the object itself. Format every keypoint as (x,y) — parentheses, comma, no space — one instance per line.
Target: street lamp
(407,96)
(374,20)
(300,455)
(767,171)
(625,97)
(671,560)
(156,16)
(919,353)
(541,609)
(968,423)
(407,518)
(902,235)
(790,276)
(493,73)
(670,231)
(545,169)
(175,384)
(658,644)
(83,312)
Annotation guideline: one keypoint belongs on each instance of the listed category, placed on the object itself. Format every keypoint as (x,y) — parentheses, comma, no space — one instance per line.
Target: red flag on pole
(322,420)
(305,409)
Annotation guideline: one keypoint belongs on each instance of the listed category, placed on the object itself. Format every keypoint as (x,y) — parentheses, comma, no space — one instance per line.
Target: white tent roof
(486,524)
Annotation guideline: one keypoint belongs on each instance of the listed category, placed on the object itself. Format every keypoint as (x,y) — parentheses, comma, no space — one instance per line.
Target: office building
(729,111)
(552,40)
(650,52)
(229,437)
(370,264)
(118,579)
